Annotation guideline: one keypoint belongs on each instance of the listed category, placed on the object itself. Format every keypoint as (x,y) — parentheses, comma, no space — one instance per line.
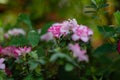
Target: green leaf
(103,5)
(106,31)
(45,28)
(1,23)
(55,56)
(33,54)
(18,41)
(117,17)
(90,11)
(25,18)
(33,38)
(29,77)
(2,75)
(94,2)
(1,34)
(41,61)
(40,51)
(69,67)
(103,49)
(32,64)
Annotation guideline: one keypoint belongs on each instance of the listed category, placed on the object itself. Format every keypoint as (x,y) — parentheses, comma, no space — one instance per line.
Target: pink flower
(59,29)
(77,52)
(82,32)
(47,37)
(0,49)
(22,51)
(118,46)
(2,65)
(9,51)
(55,30)
(14,32)
(65,28)
(6,36)
(73,23)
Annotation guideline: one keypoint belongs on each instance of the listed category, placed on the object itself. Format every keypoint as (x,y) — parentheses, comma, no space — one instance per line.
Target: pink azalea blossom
(9,51)
(82,32)
(2,65)
(6,36)
(14,32)
(55,30)
(78,52)
(22,51)
(65,28)
(73,23)
(59,29)
(0,49)
(47,37)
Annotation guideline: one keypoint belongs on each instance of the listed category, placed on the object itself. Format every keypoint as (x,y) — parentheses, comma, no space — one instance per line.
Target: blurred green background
(45,11)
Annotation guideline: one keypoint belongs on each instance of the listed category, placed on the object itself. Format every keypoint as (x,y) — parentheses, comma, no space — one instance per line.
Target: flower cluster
(78,52)
(64,38)
(79,32)
(13,51)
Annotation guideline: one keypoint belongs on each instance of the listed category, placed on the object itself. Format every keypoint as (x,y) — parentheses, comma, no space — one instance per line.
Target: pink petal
(2,60)
(83,58)
(75,37)
(2,66)
(84,38)
(47,37)
(28,50)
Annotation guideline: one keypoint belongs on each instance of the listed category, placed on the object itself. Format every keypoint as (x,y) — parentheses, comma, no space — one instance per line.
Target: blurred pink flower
(6,36)
(82,32)
(0,49)
(2,65)
(55,30)
(22,51)
(73,23)
(64,30)
(59,29)
(14,32)
(9,51)
(77,52)
(47,37)
(118,46)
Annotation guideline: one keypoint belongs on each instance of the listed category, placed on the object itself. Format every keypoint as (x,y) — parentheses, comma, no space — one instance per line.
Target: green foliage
(104,49)
(18,41)
(33,38)
(29,77)
(45,28)
(117,17)
(33,54)
(69,67)
(25,18)
(106,31)
(53,60)
(1,34)
(2,75)
(33,64)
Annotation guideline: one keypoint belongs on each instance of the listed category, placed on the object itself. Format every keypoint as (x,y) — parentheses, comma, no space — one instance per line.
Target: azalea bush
(60,50)
(43,54)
